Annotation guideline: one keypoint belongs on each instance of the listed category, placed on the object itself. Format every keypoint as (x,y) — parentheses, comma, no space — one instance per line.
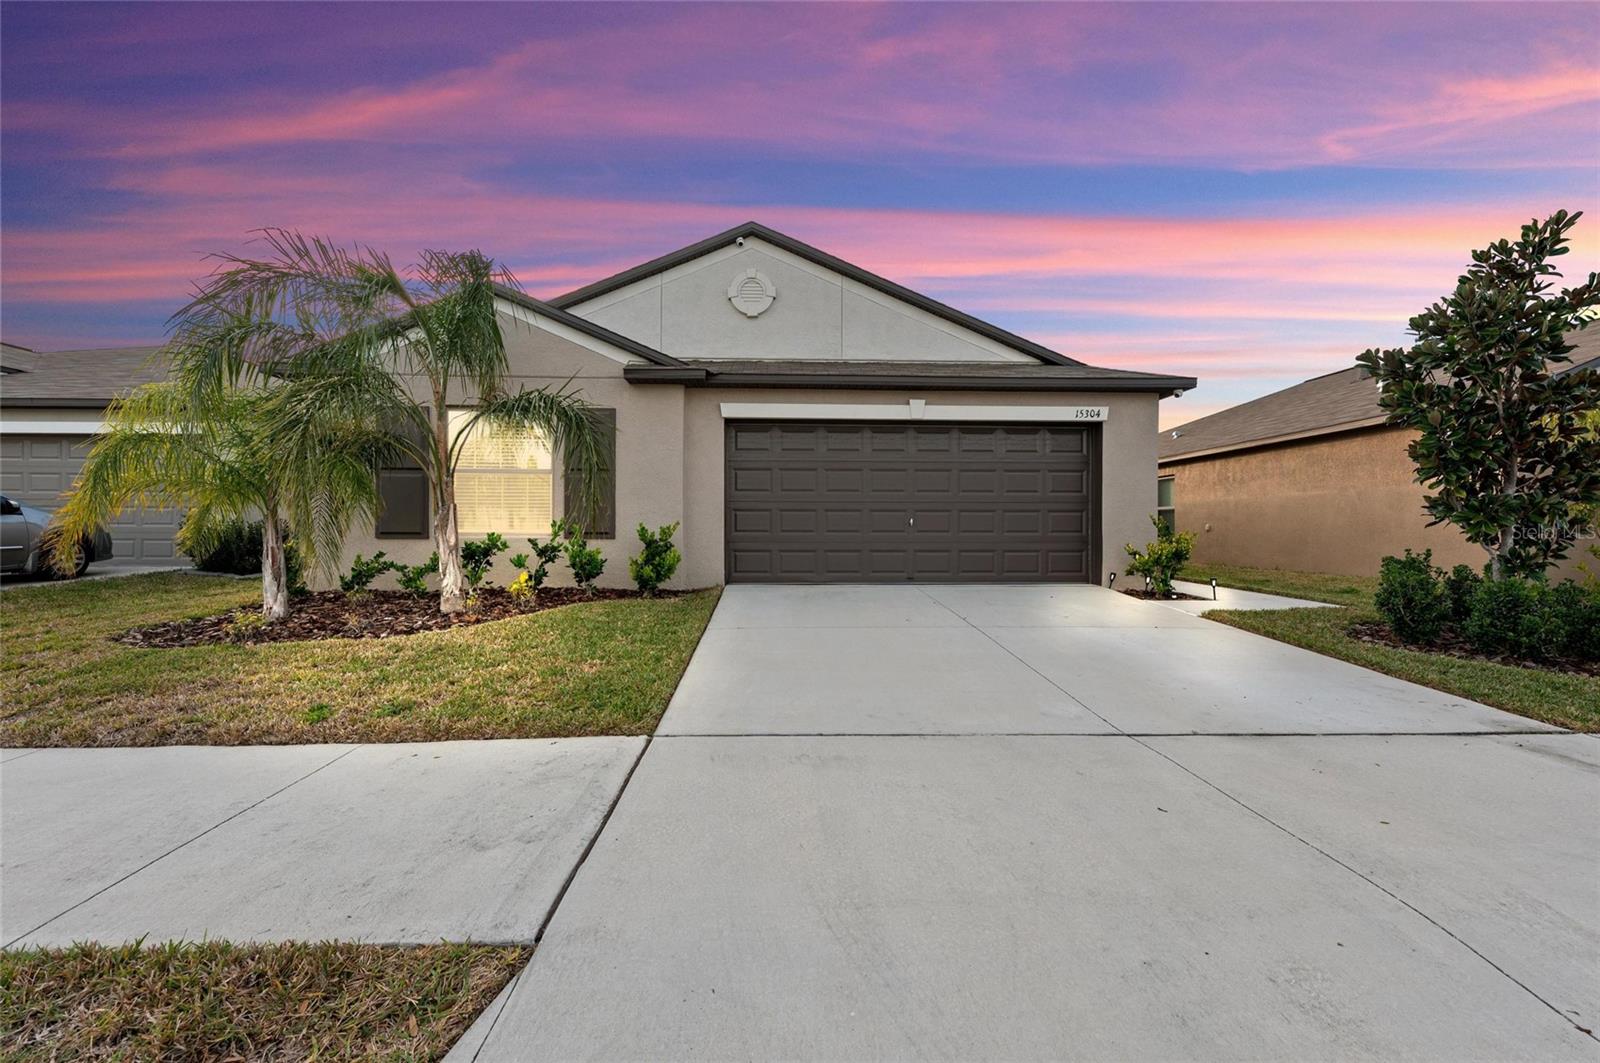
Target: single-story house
(805,420)
(1312,479)
(51,403)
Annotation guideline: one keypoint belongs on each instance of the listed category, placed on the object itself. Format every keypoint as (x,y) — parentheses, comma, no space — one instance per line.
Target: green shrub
(477,555)
(544,555)
(237,552)
(1411,597)
(585,561)
(1163,559)
(241,627)
(659,559)
(363,570)
(1578,609)
(1459,587)
(414,578)
(1517,617)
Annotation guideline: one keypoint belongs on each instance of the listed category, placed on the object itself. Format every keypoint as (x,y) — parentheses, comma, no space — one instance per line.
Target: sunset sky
(1247,194)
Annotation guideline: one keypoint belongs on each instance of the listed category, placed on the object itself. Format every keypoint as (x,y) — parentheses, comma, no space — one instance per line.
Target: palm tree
(267,450)
(310,308)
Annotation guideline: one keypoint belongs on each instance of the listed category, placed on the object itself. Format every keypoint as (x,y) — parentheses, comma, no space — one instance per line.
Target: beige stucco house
(805,420)
(1311,479)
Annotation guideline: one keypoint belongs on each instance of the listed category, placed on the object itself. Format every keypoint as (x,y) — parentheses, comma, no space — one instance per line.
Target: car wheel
(80,565)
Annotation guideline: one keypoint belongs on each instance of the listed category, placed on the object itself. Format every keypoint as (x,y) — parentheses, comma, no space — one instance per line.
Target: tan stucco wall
(670,456)
(1335,504)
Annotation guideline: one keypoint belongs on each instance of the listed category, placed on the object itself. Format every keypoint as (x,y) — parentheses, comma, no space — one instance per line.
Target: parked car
(22,540)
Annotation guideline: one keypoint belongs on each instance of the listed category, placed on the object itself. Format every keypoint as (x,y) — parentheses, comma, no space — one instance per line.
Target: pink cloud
(1006,83)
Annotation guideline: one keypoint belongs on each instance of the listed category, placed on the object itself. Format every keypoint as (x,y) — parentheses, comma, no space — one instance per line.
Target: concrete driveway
(1050,822)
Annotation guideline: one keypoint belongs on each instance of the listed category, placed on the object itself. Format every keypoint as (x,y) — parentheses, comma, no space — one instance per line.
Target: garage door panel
(798,521)
(799,481)
(843,521)
(1010,502)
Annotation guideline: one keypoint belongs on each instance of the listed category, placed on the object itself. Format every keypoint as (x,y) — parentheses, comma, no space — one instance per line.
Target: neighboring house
(808,421)
(51,402)
(1310,478)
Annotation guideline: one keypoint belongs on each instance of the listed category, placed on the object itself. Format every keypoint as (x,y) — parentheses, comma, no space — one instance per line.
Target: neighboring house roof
(827,261)
(1585,353)
(1334,402)
(1341,401)
(14,359)
(979,376)
(85,379)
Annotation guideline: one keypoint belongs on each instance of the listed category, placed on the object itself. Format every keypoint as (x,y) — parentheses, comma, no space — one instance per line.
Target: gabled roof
(826,261)
(1341,401)
(87,379)
(588,328)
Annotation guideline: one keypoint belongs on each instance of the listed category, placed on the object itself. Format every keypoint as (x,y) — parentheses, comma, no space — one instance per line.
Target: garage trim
(914,410)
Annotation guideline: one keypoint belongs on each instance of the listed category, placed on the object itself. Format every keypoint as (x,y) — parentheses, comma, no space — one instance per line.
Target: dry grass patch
(217,1001)
(604,667)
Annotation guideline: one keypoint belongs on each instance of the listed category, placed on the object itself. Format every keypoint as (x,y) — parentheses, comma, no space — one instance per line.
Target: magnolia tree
(1501,441)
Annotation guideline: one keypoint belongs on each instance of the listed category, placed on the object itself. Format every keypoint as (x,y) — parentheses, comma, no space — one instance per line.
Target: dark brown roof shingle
(89,378)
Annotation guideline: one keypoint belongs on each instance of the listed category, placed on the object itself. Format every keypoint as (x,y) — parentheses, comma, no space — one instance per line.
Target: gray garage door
(36,469)
(837,503)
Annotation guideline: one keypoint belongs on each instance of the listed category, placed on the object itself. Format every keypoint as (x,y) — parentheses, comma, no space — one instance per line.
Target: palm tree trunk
(447,538)
(274,569)
(446,535)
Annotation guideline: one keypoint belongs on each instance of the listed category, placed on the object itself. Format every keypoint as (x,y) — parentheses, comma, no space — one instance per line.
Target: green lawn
(1554,697)
(220,1001)
(1312,586)
(605,667)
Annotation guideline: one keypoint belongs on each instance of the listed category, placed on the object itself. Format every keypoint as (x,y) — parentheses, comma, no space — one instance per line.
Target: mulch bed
(1175,596)
(1453,644)
(368,615)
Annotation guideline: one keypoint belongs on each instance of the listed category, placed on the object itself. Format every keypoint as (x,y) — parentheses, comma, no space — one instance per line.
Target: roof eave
(696,377)
(1269,441)
(587,327)
(76,402)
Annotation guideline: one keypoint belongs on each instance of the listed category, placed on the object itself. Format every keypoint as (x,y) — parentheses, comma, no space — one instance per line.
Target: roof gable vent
(752,293)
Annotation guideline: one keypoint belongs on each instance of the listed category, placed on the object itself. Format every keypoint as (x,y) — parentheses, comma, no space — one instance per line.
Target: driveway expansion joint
(550,913)
(186,842)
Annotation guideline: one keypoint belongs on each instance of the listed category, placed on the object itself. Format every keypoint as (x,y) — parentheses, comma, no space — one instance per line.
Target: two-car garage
(842,502)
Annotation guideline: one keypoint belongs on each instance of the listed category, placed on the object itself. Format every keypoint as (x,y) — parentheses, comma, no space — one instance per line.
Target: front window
(504,481)
(1164,506)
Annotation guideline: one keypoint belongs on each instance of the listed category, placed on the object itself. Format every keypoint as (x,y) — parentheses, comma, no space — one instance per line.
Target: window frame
(463,470)
(1168,512)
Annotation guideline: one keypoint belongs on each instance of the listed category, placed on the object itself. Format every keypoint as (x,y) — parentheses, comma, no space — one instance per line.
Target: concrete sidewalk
(1229,598)
(392,843)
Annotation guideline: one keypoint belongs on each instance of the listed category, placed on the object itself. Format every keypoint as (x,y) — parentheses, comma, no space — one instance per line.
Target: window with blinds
(504,480)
